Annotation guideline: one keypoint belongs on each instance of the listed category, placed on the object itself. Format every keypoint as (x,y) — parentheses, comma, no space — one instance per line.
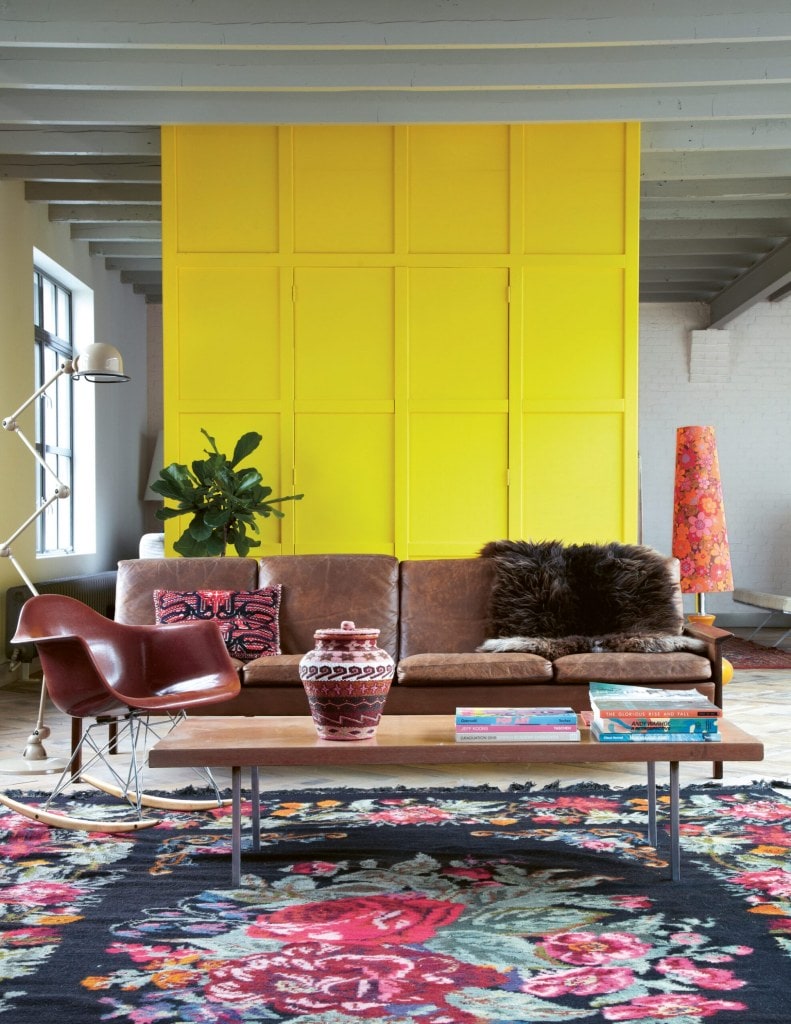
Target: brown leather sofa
(432,615)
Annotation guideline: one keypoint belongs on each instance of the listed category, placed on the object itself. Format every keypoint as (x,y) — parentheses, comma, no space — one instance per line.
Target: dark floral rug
(743,653)
(406,907)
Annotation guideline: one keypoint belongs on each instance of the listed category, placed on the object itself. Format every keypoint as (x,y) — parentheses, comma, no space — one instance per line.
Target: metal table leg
(236,827)
(651,784)
(256,812)
(675,849)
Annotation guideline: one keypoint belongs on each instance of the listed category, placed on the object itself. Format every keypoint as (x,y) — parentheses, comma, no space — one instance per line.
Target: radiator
(96,590)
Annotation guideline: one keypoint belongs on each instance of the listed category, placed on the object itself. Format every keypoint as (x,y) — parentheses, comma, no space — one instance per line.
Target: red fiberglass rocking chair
(99,669)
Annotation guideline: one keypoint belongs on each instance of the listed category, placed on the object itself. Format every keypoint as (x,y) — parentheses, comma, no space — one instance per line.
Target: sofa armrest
(713,637)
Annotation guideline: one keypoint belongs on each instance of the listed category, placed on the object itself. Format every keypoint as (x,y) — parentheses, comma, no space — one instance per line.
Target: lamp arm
(9,423)
(61,489)
(5,546)
(25,578)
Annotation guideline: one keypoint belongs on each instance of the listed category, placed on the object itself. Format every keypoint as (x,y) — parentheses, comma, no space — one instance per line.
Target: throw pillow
(248,620)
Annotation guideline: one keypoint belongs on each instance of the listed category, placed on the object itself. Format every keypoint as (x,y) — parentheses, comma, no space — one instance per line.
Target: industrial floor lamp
(100,364)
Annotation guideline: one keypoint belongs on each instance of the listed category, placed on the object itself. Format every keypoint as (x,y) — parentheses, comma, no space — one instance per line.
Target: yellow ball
(727,671)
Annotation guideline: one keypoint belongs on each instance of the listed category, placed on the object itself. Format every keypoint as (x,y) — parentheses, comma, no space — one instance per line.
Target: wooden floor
(758,701)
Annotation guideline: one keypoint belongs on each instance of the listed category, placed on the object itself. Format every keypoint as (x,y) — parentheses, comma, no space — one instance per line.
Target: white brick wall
(710,357)
(750,409)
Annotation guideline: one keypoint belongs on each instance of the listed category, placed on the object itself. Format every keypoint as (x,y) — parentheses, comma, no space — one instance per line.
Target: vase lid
(346,629)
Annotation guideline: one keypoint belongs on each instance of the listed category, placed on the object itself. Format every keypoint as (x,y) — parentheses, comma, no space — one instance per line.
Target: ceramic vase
(347,679)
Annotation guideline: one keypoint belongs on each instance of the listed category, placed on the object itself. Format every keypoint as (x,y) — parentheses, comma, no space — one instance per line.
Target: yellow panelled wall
(434,327)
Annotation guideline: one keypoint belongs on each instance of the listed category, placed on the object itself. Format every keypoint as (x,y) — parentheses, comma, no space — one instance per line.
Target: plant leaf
(198,528)
(169,513)
(247,479)
(174,482)
(188,547)
(217,518)
(215,545)
(247,443)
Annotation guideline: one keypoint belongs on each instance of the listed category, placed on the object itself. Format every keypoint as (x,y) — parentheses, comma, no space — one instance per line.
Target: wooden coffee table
(237,743)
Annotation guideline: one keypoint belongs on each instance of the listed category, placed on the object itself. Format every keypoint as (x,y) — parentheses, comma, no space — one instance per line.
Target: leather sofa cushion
(434,669)
(321,591)
(681,667)
(139,578)
(273,670)
(444,605)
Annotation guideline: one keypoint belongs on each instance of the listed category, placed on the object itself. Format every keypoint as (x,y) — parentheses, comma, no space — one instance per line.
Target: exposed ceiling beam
(125,250)
(241,24)
(91,192)
(87,213)
(122,232)
(768,276)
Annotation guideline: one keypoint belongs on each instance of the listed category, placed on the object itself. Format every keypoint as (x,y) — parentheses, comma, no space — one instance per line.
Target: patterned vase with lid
(347,679)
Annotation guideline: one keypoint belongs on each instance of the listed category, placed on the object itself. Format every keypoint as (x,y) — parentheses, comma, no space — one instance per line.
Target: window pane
(36,300)
(64,506)
(48,298)
(63,329)
(49,530)
(64,412)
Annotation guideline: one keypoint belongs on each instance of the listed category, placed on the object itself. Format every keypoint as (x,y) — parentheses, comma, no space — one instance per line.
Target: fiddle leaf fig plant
(224,501)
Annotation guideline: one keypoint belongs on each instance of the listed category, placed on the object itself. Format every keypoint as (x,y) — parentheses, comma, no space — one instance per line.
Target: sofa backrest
(138,579)
(444,605)
(321,591)
(548,589)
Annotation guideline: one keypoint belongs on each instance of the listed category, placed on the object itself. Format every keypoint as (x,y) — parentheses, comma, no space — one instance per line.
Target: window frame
(53,331)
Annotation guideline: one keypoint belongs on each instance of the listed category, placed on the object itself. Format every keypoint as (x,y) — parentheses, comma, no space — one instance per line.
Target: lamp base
(34,759)
(699,619)
(23,766)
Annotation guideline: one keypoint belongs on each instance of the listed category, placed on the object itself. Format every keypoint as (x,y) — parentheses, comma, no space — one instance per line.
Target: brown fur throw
(552,600)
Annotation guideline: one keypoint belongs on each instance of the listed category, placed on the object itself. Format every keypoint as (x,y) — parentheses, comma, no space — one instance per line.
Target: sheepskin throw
(551,599)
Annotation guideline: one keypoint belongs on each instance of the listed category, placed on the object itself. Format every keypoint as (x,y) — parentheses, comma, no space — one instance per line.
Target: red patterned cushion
(248,620)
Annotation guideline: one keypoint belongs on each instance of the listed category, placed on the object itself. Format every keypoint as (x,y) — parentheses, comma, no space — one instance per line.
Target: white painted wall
(751,414)
(121,409)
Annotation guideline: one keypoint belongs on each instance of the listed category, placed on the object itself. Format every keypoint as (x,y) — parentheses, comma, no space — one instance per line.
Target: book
(508,716)
(656,725)
(650,737)
(569,736)
(615,700)
(521,727)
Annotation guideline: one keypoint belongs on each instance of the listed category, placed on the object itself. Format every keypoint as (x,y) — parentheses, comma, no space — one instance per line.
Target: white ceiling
(85,84)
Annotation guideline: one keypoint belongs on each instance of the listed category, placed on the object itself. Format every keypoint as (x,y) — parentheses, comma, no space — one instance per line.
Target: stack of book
(515,725)
(635,714)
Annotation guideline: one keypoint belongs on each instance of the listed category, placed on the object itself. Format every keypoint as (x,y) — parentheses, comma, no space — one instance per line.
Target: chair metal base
(129,788)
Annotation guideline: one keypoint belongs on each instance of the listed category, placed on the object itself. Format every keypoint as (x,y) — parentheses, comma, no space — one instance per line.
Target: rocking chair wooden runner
(99,669)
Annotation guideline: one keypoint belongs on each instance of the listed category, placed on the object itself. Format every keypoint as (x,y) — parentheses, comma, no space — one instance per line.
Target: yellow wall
(434,327)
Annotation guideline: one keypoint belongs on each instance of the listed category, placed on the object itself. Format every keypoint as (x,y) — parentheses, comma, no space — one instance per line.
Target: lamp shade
(700,537)
(157,462)
(100,363)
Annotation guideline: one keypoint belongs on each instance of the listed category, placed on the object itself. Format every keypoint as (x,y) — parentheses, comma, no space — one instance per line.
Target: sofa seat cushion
(274,670)
(633,668)
(435,669)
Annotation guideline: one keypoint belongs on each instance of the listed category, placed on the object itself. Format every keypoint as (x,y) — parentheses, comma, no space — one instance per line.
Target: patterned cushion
(248,620)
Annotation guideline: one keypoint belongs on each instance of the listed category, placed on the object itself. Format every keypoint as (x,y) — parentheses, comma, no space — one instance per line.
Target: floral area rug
(406,907)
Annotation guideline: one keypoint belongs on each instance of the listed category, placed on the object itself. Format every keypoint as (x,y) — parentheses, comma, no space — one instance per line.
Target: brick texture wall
(748,403)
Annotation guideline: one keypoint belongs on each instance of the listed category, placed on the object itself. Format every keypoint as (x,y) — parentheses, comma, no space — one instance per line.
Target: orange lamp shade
(700,537)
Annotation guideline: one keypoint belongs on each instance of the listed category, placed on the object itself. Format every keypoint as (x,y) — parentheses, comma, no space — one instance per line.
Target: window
(52,322)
